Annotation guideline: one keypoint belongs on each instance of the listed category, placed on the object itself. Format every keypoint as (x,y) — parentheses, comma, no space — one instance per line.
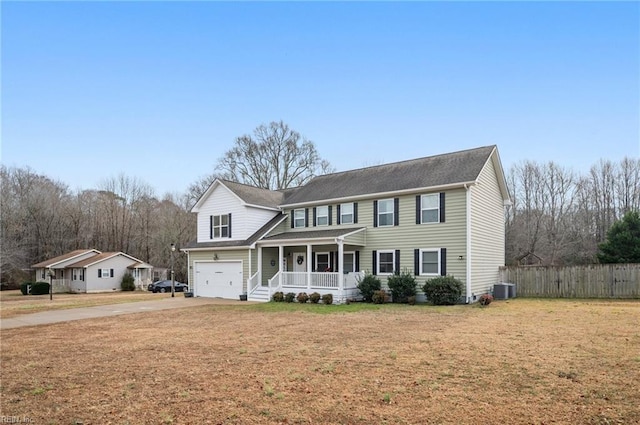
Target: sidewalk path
(56,316)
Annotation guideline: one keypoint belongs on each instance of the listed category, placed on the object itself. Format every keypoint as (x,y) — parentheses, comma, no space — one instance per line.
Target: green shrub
(40,288)
(368,285)
(277,297)
(128,283)
(327,299)
(289,297)
(402,286)
(314,297)
(24,287)
(379,296)
(302,297)
(443,290)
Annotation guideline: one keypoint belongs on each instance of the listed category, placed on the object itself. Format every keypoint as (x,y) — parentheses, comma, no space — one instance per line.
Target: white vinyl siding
(245,220)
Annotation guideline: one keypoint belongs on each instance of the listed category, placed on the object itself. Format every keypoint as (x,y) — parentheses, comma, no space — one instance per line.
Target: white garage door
(222,279)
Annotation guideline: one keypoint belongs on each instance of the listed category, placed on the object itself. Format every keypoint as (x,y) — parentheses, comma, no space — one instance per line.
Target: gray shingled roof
(254,195)
(312,234)
(439,170)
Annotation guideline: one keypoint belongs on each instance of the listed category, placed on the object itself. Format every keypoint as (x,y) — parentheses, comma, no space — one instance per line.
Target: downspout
(468,256)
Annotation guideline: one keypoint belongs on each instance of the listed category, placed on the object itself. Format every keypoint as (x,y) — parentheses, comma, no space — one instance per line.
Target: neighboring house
(433,216)
(90,270)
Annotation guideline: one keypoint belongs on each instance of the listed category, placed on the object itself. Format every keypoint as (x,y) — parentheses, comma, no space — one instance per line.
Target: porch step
(260,294)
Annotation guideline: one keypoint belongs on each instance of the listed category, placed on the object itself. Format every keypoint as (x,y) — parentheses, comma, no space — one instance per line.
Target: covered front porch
(327,262)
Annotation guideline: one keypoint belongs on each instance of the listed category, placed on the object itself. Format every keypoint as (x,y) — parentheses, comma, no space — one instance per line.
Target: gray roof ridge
(401,162)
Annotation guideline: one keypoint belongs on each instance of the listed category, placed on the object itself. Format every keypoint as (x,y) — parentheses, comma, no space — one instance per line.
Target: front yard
(521,361)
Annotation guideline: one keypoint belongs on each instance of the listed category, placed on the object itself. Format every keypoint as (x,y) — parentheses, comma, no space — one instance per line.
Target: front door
(299,262)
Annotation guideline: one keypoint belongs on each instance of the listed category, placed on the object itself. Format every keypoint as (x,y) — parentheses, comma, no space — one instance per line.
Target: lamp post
(51,274)
(173,281)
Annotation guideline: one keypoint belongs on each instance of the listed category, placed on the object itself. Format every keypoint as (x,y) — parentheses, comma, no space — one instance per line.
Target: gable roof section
(64,257)
(314,234)
(248,195)
(239,244)
(100,258)
(449,169)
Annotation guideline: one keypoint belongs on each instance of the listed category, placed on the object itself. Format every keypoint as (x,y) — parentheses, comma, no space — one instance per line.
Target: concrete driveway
(56,316)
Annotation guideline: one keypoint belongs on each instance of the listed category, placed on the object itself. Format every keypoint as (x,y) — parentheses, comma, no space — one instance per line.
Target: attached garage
(219,279)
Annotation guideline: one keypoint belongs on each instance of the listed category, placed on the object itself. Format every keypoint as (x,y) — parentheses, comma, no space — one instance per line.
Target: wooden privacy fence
(591,281)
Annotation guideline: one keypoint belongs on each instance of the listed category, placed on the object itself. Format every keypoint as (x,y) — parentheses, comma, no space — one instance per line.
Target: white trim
(328,254)
(393,212)
(352,212)
(439,253)
(348,253)
(304,218)
(304,241)
(468,265)
(437,208)
(365,196)
(325,216)
(218,182)
(393,262)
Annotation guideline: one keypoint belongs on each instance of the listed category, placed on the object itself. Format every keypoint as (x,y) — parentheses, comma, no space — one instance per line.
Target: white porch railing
(253,283)
(311,280)
(273,284)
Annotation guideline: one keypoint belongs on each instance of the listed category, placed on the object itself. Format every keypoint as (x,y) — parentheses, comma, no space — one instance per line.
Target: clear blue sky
(159,90)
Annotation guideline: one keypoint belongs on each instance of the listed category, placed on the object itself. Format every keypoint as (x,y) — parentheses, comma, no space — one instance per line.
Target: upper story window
(385,212)
(430,208)
(346,213)
(221,226)
(299,218)
(322,216)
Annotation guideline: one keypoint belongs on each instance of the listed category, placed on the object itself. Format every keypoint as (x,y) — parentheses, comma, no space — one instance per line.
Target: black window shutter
(111,272)
(306,217)
(416,262)
(396,211)
(397,261)
(441,207)
(356,260)
(229,224)
(355,212)
(210,227)
(418,210)
(338,214)
(374,262)
(99,272)
(293,218)
(313,262)
(314,217)
(329,215)
(375,213)
(332,263)
(443,261)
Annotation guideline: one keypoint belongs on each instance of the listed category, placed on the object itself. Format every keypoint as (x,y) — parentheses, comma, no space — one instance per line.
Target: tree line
(557,216)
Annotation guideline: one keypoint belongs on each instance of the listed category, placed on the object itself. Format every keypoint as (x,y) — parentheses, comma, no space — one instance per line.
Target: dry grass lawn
(516,362)
(13,303)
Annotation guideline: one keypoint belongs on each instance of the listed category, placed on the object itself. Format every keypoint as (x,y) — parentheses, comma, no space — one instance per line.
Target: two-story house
(432,216)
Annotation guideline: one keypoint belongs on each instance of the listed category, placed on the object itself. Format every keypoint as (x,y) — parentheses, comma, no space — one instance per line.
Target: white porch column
(280,257)
(340,264)
(309,262)
(260,264)
(250,274)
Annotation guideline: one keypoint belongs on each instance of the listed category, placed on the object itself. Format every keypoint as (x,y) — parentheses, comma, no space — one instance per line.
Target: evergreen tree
(623,241)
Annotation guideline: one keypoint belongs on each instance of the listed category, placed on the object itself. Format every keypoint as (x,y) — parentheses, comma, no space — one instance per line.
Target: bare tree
(274,157)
